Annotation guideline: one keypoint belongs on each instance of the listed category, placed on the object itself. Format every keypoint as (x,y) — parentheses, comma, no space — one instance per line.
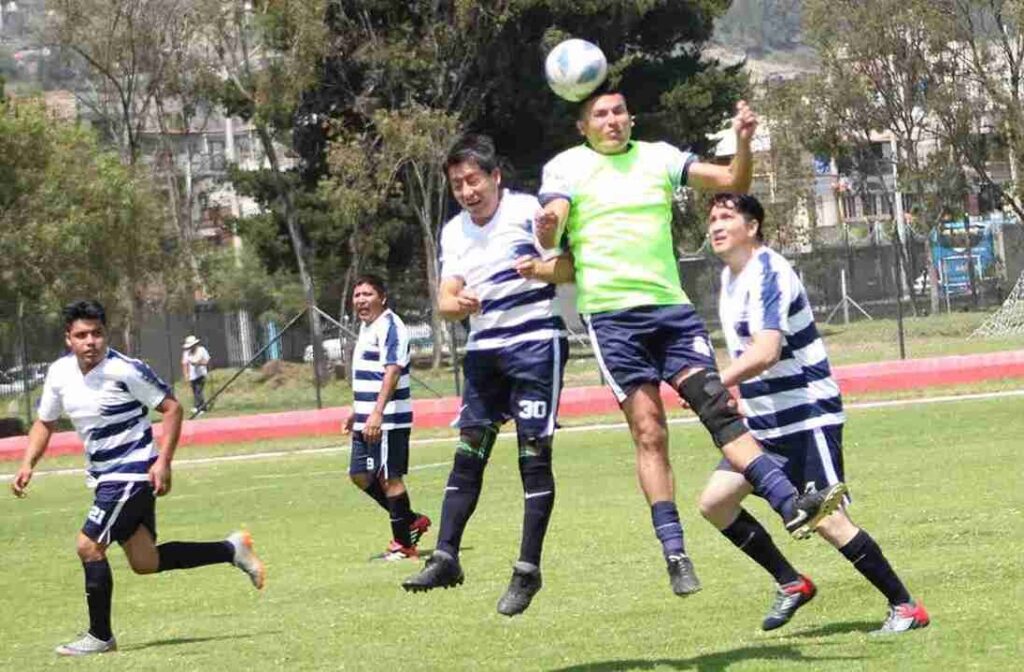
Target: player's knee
(140,566)
(477,442)
(88,550)
(650,434)
(713,404)
(716,506)
(837,529)
(361,481)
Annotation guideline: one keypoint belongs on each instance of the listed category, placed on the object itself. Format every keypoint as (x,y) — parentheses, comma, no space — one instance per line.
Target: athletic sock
(99,588)
(771,484)
(376,492)
(749,536)
(401,518)
(867,557)
(189,554)
(538,502)
(460,498)
(665,518)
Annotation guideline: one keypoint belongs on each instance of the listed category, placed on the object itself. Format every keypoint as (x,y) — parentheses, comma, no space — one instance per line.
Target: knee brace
(477,442)
(709,399)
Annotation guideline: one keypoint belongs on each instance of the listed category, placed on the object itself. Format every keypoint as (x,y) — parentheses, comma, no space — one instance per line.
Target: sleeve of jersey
(50,406)
(556,180)
(451,264)
(769,298)
(678,163)
(145,385)
(395,346)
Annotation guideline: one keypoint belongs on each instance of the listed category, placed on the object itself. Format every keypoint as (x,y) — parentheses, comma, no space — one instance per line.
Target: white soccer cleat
(86,646)
(246,559)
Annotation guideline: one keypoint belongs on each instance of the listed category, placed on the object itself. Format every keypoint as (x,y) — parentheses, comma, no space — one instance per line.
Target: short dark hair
(605,89)
(474,147)
(373,280)
(746,205)
(88,309)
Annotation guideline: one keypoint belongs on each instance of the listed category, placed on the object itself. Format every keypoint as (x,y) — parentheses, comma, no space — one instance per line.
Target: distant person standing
(195,361)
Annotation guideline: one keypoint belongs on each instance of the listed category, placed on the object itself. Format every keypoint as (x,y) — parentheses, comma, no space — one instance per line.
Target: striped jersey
(620,222)
(798,392)
(109,408)
(512,308)
(382,342)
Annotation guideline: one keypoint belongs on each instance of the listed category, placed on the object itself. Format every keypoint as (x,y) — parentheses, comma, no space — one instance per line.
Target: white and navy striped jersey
(109,407)
(382,342)
(798,393)
(512,308)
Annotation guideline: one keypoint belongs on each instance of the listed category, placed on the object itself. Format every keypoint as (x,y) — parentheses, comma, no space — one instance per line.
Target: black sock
(99,588)
(460,498)
(401,518)
(188,554)
(539,500)
(867,557)
(376,492)
(665,519)
(750,537)
(771,484)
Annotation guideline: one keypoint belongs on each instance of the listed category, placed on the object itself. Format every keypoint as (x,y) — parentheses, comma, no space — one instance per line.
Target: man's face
(87,340)
(606,124)
(367,303)
(477,191)
(729,230)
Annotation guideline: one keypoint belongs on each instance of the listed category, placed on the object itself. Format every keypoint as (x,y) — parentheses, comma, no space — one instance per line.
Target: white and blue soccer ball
(574,68)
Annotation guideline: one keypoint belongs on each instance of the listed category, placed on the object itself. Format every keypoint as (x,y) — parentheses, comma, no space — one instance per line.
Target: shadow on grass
(836,629)
(175,641)
(709,662)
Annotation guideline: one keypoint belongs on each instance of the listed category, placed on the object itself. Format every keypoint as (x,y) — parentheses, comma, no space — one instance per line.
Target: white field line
(198,461)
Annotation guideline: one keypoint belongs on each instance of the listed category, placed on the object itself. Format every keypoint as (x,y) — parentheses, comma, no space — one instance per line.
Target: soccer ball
(574,68)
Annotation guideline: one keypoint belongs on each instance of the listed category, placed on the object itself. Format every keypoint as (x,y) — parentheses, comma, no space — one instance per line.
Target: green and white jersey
(620,222)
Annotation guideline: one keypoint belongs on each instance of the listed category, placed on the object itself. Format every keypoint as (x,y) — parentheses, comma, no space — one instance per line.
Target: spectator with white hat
(194,362)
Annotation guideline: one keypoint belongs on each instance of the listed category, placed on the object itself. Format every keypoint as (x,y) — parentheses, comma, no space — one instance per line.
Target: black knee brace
(709,399)
(477,441)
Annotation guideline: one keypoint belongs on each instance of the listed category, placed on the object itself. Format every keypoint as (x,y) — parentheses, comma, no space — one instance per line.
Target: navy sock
(401,518)
(749,536)
(867,557)
(375,492)
(665,518)
(189,554)
(99,589)
(538,502)
(460,498)
(771,484)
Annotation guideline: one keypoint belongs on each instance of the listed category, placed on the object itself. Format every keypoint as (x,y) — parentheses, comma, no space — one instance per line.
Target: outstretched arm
(735,177)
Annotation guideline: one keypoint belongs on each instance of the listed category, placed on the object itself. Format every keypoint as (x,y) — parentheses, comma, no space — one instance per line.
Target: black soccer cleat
(812,508)
(681,575)
(441,571)
(788,598)
(521,589)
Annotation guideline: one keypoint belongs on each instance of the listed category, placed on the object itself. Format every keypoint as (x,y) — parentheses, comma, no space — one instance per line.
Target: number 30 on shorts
(531,410)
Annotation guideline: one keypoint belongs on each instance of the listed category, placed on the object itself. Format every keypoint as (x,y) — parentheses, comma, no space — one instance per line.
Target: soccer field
(936,484)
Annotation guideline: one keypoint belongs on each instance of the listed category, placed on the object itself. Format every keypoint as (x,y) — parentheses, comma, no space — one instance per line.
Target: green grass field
(934,497)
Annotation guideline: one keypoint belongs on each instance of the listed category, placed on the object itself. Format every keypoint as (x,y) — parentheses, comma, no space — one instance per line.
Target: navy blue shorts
(647,345)
(521,381)
(117,511)
(812,460)
(388,457)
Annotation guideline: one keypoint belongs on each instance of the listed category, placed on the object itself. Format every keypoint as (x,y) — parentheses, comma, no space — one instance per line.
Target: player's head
(604,121)
(734,223)
(369,297)
(85,332)
(471,167)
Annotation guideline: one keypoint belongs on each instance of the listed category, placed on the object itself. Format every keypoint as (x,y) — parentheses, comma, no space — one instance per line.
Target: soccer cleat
(246,559)
(788,598)
(521,589)
(681,575)
(902,617)
(397,552)
(441,571)
(812,507)
(86,645)
(418,528)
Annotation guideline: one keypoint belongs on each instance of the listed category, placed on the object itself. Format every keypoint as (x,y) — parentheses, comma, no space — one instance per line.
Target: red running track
(576,401)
